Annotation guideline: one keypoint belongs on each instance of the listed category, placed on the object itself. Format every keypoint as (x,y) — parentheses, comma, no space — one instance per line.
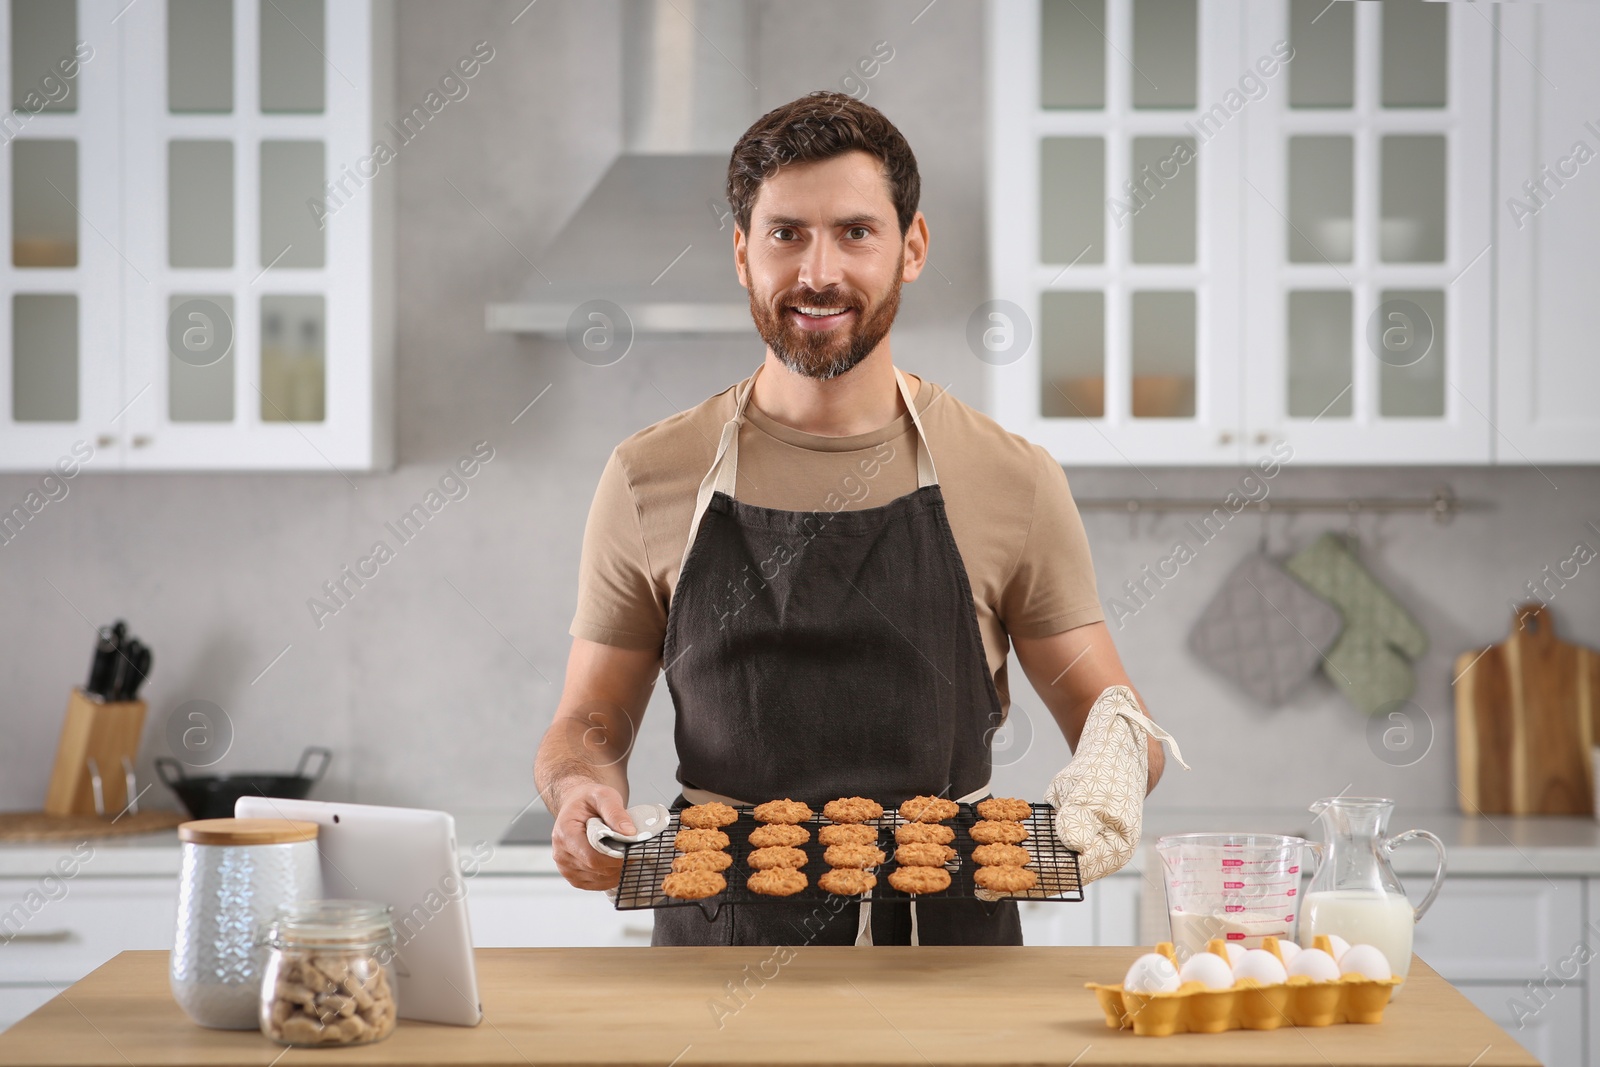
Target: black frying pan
(211,796)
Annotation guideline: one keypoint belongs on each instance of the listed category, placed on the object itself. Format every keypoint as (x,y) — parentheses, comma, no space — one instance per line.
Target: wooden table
(817,1005)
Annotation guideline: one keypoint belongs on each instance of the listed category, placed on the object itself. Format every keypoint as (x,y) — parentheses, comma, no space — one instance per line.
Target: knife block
(105,732)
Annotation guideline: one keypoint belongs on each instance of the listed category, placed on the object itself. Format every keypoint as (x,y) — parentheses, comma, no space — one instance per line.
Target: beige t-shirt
(1009,507)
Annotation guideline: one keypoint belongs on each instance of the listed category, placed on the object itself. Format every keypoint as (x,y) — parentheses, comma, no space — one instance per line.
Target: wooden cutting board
(1527,712)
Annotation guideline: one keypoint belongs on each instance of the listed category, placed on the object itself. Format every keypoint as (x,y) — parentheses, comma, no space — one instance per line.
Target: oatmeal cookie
(1000,855)
(847,881)
(777,882)
(924,855)
(853,856)
(1005,879)
(700,840)
(852,809)
(848,834)
(928,809)
(693,885)
(764,859)
(924,833)
(1005,809)
(920,879)
(781,811)
(707,816)
(707,860)
(779,834)
(996,832)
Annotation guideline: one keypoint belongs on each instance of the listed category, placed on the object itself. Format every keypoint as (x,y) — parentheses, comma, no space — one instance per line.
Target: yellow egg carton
(1249,1005)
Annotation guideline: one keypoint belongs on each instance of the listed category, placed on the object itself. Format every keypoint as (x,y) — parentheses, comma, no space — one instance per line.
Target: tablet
(405,858)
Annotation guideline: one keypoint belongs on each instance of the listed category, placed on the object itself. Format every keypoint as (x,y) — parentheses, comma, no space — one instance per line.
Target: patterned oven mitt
(1099,795)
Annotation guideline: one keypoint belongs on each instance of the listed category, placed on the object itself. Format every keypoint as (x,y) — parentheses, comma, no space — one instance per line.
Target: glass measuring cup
(1237,887)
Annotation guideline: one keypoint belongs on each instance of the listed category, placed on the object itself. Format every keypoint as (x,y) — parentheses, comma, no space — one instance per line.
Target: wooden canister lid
(246,831)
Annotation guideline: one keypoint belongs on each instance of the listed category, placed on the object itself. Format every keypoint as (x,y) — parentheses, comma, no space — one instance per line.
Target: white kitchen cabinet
(1317,272)
(1545,224)
(1554,1032)
(1108,915)
(544,911)
(1500,929)
(212,285)
(17,1001)
(94,920)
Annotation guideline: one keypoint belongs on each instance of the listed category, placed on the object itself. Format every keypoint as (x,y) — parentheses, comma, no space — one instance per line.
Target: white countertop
(1504,845)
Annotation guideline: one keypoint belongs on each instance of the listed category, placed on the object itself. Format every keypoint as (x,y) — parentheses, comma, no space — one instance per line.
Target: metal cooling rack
(646,863)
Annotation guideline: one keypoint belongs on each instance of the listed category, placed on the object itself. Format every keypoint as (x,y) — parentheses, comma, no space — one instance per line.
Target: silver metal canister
(235,874)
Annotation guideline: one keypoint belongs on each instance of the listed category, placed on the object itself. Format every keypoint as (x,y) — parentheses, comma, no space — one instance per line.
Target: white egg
(1235,953)
(1367,961)
(1340,946)
(1261,965)
(1207,968)
(1151,973)
(1315,964)
(1288,950)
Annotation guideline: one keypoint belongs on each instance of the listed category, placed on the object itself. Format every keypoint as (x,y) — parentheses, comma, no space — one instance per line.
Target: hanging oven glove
(1371,661)
(1099,795)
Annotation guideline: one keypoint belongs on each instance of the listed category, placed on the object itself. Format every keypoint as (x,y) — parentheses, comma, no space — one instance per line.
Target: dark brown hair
(818,126)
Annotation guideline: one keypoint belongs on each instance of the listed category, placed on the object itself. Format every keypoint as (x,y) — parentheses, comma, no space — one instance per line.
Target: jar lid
(246,831)
(330,922)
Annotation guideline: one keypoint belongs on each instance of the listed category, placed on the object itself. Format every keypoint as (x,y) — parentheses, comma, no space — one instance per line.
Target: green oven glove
(1371,661)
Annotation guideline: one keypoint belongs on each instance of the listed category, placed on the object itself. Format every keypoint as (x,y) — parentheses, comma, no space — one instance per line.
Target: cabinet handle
(105,440)
(1262,437)
(1226,438)
(141,440)
(43,937)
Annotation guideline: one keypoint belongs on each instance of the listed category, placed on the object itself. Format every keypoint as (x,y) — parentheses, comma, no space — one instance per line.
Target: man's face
(824,237)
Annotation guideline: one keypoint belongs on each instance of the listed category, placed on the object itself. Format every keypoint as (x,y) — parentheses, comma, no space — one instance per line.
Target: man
(829,557)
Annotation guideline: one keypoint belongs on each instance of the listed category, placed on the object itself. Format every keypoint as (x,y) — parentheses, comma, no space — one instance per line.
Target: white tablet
(405,858)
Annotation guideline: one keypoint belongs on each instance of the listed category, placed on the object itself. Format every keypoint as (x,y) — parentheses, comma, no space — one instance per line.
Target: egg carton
(1249,1005)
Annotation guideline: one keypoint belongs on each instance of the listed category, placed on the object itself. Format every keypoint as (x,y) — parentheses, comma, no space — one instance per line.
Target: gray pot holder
(1264,630)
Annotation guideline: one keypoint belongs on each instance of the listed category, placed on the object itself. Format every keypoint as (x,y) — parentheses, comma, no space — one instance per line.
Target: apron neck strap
(723,475)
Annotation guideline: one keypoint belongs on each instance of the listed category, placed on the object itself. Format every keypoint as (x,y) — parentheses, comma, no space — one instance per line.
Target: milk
(1362,917)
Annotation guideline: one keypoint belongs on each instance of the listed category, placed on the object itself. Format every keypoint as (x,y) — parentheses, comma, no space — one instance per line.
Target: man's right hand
(575,858)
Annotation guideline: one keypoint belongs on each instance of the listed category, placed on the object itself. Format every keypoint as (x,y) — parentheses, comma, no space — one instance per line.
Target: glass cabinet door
(1117,244)
(60,394)
(1366,232)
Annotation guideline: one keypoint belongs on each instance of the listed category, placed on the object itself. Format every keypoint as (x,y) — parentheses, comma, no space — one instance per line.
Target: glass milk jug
(1354,892)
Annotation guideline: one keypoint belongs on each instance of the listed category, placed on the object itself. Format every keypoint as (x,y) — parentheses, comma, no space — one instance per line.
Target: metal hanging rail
(1443,505)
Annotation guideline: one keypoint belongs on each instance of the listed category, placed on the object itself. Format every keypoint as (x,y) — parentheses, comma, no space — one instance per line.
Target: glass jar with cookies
(329,978)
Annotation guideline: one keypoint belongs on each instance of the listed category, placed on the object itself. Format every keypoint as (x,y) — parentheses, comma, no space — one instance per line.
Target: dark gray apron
(818,654)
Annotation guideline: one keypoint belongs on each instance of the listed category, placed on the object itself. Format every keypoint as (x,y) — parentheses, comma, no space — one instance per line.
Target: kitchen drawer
(1500,929)
(1058,924)
(1554,1033)
(544,911)
(17,1001)
(96,919)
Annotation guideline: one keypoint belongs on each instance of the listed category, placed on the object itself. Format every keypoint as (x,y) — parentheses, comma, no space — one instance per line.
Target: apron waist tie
(864,925)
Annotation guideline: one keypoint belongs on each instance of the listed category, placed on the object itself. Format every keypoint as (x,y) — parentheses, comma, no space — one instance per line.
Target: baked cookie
(853,856)
(924,855)
(1005,879)
(708,860)
(919,879)
(923,833)
(928,809)
(995,832)
(765,859)
(848,834)
(776,882)
(693,885)
(779,834)
(847,881)
(781,811)
(693,840)
(852,809)
(1000,855)
(1005,809)
(708,816)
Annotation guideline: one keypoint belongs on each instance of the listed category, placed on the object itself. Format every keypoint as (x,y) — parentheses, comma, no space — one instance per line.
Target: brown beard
(825,355)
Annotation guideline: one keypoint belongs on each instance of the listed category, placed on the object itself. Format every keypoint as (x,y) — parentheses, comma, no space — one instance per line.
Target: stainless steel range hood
(654,235)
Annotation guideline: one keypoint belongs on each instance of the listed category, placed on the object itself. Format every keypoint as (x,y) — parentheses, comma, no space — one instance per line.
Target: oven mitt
(1099,795)
(1264,631)
(1371,661)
